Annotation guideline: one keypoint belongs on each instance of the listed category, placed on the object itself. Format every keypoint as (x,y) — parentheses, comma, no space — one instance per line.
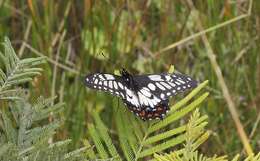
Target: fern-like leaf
(22,136)
(17,71)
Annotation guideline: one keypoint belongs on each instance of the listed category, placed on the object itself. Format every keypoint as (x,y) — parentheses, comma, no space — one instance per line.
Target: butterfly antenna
(103,55)
(106,57)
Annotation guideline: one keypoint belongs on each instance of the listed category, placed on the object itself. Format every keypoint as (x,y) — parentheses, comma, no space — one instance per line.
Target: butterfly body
(145,95)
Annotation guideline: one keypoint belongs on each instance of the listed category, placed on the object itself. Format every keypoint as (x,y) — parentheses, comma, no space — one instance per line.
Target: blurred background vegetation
(79,37)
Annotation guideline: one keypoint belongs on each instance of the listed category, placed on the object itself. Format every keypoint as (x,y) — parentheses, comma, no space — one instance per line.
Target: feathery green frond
(22,137)
(17,71)
(253,157)
(27,140)
(194,136)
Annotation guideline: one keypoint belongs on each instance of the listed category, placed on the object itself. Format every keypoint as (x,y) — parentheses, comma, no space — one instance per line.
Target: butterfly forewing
(165,85)
(106,82)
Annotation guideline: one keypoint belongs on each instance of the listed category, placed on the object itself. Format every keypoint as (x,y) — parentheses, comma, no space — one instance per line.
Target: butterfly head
(125,75)
(128,78)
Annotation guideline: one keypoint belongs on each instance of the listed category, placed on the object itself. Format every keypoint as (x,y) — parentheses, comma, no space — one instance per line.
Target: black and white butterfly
(145,95)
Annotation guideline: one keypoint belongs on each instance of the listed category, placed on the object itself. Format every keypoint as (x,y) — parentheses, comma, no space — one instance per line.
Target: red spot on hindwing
(147,113)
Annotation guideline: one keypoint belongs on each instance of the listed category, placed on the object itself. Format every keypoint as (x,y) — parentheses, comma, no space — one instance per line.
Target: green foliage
(138,140)
(17,71)
(73,34)
(25,129)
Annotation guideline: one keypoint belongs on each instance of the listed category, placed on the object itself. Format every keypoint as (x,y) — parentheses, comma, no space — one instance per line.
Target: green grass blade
(97,141)
(162,146)
(102,129)
(124,144)
(165,135)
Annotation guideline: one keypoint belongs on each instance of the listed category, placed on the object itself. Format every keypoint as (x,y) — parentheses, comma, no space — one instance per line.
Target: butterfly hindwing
(147,113)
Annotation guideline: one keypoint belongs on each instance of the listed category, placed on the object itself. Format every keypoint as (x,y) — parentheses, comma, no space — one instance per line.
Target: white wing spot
(109,76)
(143,100)
(100,83)
(177,83)
(151,86)
(184,87)
(99,87)
(173,91)
(147,89)
(101,77)
(122,95)
(168,93)
(111,91)
(87,79)
(110,84)
(189,79)
(178,88)
(94,86)
(105,83)
(105,88)
(159,86)
(155,77)
(115,85)
(154,101)
(120,85)
(166,85)
(188,85)
(162,96)
(131,97)
(181,81)
(96,81)
(168,78)
(172,84)
(146,93)
(117,93)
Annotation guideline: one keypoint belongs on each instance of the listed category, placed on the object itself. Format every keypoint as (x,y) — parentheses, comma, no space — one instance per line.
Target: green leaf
(162,146)
(98,142)
(9,129)
(105,137)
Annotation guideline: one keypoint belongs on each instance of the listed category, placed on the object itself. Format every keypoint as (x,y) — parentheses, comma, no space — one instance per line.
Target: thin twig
(26,35)
(174,45)
(255,126)
(244,51)
(61,26)
(52,61)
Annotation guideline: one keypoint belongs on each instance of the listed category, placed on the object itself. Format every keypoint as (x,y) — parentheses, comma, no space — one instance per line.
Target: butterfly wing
(116,86)
(165,85)
(157,111)
(106,82)
(154,91)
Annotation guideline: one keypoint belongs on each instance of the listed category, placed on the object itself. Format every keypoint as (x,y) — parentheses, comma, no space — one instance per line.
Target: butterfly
(147,96)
